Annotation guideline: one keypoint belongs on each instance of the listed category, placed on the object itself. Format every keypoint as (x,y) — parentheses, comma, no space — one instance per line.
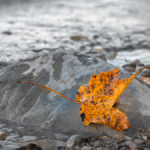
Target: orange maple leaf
(98,98)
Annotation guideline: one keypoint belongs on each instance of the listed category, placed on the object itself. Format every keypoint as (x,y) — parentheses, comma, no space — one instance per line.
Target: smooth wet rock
(35,106)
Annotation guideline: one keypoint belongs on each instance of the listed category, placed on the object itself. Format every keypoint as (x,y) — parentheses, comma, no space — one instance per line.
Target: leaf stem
(42,86)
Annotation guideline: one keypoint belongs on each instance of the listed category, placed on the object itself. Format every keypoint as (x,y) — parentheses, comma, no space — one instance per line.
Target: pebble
(128,138)
(100,148)
(102,56)
(146,80)
(104,137)
(129,68)
(138,141)
(7,32)
(30,146)
(118,136)
(45,144)
(73,140)
(99,50)
(144,137)
(2,125)
(77,147)
(86,148)
(2,136)
(60,144)
(27,138)
(147,66)
(129,144)
(61,137)
(7,145)
(145,73)
(97,143)
(12,137)
(78,37)
(111,55)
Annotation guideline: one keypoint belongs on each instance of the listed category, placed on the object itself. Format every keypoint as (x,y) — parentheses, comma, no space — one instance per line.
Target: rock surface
(65,73)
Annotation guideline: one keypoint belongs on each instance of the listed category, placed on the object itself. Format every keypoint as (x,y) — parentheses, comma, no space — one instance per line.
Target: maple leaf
(98,98)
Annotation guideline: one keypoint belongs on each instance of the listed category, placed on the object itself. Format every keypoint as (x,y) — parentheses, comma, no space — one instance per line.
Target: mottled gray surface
(35,45)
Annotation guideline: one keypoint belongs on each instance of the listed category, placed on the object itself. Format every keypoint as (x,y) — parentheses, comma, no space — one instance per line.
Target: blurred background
(116,31)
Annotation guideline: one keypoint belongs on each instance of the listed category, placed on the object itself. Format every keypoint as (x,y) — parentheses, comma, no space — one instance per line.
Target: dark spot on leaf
(101,79)
(94,76)
(92,102)
(116,125)
(82,116)
(103,104)
(89,91)
(93,86)
(78,93)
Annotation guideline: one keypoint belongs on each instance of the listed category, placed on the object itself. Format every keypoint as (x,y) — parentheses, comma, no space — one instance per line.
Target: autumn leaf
(98,98)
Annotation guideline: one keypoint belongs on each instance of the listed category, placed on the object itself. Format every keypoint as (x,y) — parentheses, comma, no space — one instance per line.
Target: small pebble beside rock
(61,137)
(2,136)
(73,140)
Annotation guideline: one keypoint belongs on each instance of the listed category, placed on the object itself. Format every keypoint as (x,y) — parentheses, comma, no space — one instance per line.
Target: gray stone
(61,137)
(129,144)
(128,138)
(77,147)
(45,144)
(12,137)
(27,138)
(138,141)
(2,136)
(144,137)
(145,73)
(100,148)
(2,125)
(73,140)
(78,37)
(60,144)
(86,148)
(35,106)
(97,143)
(7,145)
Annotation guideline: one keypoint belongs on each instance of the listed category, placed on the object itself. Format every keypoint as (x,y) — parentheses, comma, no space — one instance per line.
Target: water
(39,25)
(125,57)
